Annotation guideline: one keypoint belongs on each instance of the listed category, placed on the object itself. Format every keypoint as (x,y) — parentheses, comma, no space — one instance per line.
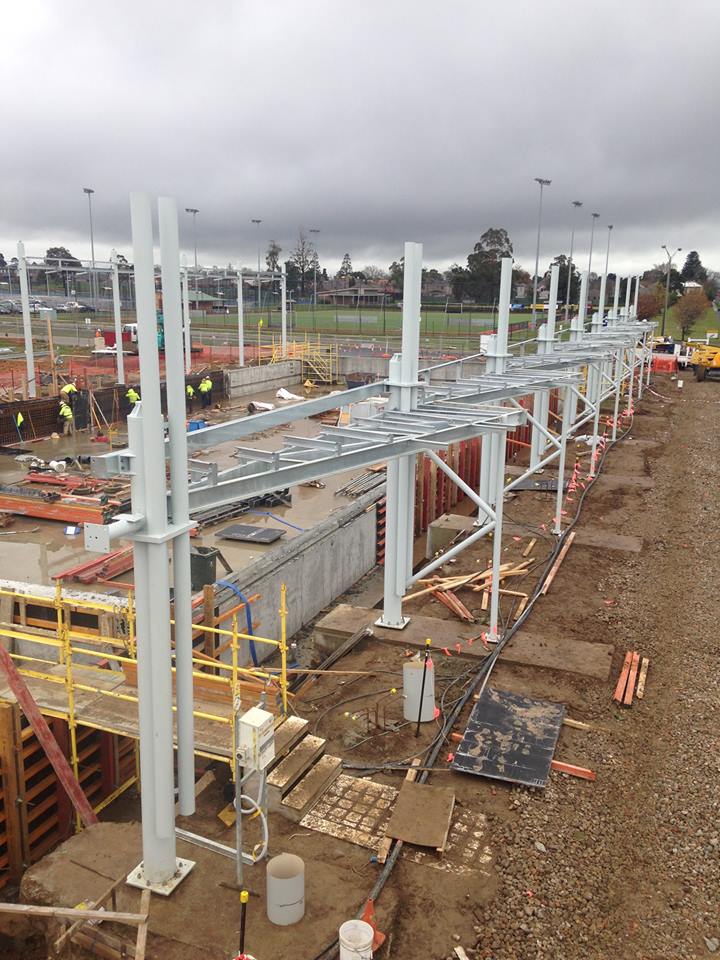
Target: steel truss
(424,412)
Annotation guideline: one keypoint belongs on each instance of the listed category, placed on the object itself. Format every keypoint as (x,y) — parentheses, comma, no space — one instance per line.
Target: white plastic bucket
(356,939)
(285,889)
(412,685)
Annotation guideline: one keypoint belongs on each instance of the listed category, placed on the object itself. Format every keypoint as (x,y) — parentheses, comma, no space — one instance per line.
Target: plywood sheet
(510,737)
(422,815)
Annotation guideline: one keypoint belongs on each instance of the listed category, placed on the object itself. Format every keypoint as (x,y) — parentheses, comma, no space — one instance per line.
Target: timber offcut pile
(445,589)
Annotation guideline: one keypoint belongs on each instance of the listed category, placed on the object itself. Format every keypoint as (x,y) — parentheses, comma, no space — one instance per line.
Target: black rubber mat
(510,737)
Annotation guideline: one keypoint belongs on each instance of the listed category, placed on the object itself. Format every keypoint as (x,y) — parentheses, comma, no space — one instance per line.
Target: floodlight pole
(542,183)
(27,322)
(186,315)
(93,279)
(283,309)
(115,281)
(577,204)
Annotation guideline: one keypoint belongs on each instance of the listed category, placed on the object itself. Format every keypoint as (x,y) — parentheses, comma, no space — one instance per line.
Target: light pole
(257,224)
(311,230)
(592,234)
(542,183)
(667,284)
(194,211)
(93,287)
(577,204)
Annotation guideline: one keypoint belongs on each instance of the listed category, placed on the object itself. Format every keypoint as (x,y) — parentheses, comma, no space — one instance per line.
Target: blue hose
(248,614)
(266,513)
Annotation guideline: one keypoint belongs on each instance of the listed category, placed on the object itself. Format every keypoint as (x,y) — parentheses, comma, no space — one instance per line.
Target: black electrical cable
(329,952)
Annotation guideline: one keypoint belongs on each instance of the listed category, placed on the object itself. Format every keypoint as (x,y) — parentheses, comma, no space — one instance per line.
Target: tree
(689,308)
(272,257)
(304,258)
(372,272)
(346,269)
(693,269)
(650,303)
(395,271)
(60,257)
(3,263)
(562,261)
(483,265)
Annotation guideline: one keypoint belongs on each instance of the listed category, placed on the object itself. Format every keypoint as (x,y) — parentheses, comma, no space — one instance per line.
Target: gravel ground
(629,866)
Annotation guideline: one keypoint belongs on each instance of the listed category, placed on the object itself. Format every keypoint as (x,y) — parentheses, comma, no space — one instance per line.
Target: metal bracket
(136,878)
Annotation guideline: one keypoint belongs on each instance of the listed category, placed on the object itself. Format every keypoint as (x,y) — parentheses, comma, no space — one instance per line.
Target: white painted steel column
(627,297)
(637,294)
(597,390)
(115,280)
(582,306)
(616,297)
(619,357)
(179,500)
(400,496)
(152,580)
(283,309)
(564,429)
(186,316)
(642,365)
(241,320)
(27,322)
(497,360)
(541,401)
(499,488)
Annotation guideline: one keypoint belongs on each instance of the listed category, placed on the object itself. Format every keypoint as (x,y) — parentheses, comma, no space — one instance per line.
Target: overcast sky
(374,122)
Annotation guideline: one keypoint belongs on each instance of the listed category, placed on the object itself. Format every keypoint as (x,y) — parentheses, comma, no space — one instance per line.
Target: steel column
(499,487)
(117,316)
(241,320)
(27,322)
(564,430)
(186,317)
(179,501)
(283,309)
(152,581)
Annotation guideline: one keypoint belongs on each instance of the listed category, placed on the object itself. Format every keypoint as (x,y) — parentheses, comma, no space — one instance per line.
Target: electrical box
(256,739)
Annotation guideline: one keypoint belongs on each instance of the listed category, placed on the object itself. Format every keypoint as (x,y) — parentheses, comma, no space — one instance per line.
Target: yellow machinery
(705,359)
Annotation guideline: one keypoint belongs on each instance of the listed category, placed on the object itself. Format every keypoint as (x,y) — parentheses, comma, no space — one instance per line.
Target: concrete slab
(305,795)
(560,653)
(604,540)
(443,531)
(200,920)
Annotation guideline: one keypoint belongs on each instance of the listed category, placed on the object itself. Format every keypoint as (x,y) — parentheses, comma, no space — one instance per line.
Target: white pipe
(241,320)
(179,500)
(283,311)
(115,275)
(151,566)
(186,316)
(27,322)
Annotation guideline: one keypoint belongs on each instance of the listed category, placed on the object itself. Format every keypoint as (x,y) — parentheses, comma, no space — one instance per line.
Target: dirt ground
(626,867)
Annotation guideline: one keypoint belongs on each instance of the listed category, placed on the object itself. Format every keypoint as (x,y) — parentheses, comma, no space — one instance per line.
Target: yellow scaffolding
(319,360)
(83,651)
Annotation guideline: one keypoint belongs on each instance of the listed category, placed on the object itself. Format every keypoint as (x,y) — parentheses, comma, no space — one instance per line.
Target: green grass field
(709,321)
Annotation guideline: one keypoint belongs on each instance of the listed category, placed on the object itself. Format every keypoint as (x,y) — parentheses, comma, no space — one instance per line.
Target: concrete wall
(246,381)
(379,368)
(316,567)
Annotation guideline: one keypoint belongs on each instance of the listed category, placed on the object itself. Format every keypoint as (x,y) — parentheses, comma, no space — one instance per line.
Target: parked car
(72,306)
(5,308)
(14,306)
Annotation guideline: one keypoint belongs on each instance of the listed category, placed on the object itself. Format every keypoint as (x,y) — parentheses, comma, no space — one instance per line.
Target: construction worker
(65,415)
(189,397)
(133,396)
(205,389)
(68,393)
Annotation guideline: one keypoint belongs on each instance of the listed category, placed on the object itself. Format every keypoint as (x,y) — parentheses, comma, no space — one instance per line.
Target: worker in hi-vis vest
(68,393)
(132,395)
(189,396)
(205,389)
(65,415)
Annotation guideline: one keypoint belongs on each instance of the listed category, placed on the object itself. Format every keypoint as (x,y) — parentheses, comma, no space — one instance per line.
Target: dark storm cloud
(374,122)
